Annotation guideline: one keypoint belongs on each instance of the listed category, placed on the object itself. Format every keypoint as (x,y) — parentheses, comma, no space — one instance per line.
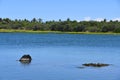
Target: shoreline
(56,32)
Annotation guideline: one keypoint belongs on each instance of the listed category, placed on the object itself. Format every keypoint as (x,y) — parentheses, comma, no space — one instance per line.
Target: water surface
(57,56)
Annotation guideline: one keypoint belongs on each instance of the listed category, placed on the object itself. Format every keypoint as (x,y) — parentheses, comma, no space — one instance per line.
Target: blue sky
(60,9)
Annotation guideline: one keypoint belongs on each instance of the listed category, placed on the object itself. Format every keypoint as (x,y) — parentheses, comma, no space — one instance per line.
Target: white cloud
(87,18)
(99,19)
(116,19)
(90,19)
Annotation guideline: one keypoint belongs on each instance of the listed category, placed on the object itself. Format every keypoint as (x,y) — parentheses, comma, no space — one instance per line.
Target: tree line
(64,26)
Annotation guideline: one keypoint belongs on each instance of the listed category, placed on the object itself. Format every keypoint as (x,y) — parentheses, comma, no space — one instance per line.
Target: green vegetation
(69,26)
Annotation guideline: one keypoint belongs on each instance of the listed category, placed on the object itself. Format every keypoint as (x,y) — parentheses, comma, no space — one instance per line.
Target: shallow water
(58,56)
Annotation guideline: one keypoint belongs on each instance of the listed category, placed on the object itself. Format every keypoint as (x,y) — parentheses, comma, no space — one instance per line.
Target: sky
(61,9)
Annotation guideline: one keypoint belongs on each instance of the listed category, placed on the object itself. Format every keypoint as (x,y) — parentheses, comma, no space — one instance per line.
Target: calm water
(57,56)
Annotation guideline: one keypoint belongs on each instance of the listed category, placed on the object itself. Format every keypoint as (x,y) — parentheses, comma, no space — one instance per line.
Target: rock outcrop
(25,59)
(95,64)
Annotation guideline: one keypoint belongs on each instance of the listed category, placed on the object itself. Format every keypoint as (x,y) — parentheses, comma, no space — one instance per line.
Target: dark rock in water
(25,59)
(25,62)
(81,67)
(95,64)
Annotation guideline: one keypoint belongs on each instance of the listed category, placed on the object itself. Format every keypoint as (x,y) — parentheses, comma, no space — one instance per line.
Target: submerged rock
(25,59)
(81,67)
(95,64)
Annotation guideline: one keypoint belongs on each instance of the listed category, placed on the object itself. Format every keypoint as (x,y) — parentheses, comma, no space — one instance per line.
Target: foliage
(64,26)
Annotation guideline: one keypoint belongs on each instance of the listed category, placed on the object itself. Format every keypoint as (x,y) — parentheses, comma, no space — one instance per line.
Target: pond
(59,56)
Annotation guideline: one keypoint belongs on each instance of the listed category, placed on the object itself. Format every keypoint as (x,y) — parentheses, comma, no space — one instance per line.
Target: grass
(57,32)
(24,31)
